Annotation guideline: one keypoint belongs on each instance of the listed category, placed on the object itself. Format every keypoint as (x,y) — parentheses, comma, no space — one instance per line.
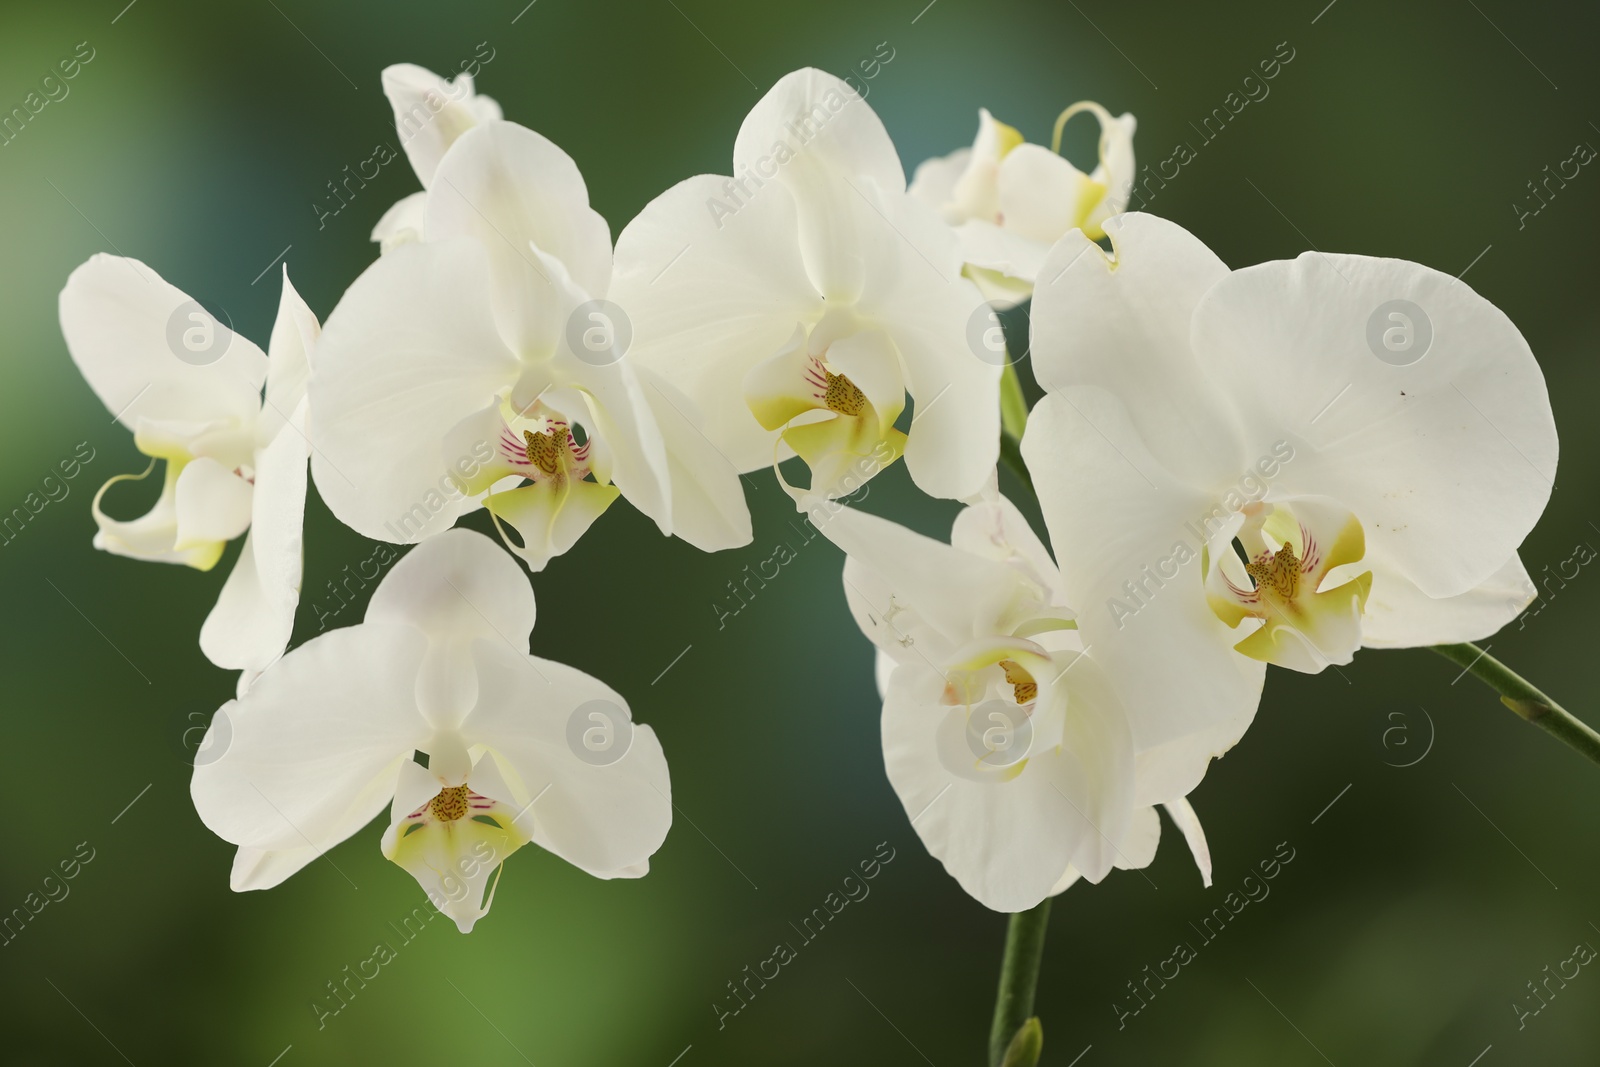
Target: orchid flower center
(1024,689)
(1289,550)
(544,450)
(451,804)
(1278,571)
(842,425)
(548,451)
(454,844)
(839,393)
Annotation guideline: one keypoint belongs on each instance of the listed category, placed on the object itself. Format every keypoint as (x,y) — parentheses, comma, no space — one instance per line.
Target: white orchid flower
(1239,469)
(430,113)
(483,365)
(326,738)
(190,389)
(799,302)
(1010,201)
(1005,741)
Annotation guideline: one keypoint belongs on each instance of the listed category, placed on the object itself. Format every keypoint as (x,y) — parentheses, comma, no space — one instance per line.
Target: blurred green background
(1416,908)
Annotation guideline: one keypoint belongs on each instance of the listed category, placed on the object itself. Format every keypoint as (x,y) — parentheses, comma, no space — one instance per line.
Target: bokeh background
(1416,907)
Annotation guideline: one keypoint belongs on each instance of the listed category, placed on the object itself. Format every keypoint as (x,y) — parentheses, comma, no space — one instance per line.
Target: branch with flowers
(1280,464)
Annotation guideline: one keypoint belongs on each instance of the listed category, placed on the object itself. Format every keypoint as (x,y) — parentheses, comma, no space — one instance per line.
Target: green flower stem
(1013,405)
(1524,698)
(1019,974)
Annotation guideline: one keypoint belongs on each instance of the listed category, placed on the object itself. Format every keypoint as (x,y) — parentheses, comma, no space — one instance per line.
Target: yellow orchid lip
(1291,549)
(455,846)
(833,394)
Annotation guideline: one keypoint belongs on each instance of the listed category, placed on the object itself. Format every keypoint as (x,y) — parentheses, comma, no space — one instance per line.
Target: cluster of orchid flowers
(1039,704)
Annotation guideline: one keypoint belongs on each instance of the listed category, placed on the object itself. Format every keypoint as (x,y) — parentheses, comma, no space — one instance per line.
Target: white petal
(599,816)
(883,666)
(914,292)
(1184,818)
(212,502)
(294,334)
(254,868)
(955,596)
(509,187)
(1007,841)
(708,505)
(934,180)
(409,353)
(712,291)
(1110,183)
(1399,615)
(316,742)
(1126,329)
(823,143)
(1042,196)
(976,194)
(254,617)
(243,630)
(817,114)
(1142,607)
(997,530)
(1117,169)
(153,535)
(457,588)
(125,326)
(431,113)
(1002,264)
(627,448)
(1447,461)
(402,223)
(1137,849)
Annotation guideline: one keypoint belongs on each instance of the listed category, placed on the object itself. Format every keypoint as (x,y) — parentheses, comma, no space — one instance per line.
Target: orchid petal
(711,295)
(430,114)
(409,353)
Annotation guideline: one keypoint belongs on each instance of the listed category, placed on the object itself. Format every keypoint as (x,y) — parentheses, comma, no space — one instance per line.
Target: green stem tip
(1019,975)
(1524,698)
